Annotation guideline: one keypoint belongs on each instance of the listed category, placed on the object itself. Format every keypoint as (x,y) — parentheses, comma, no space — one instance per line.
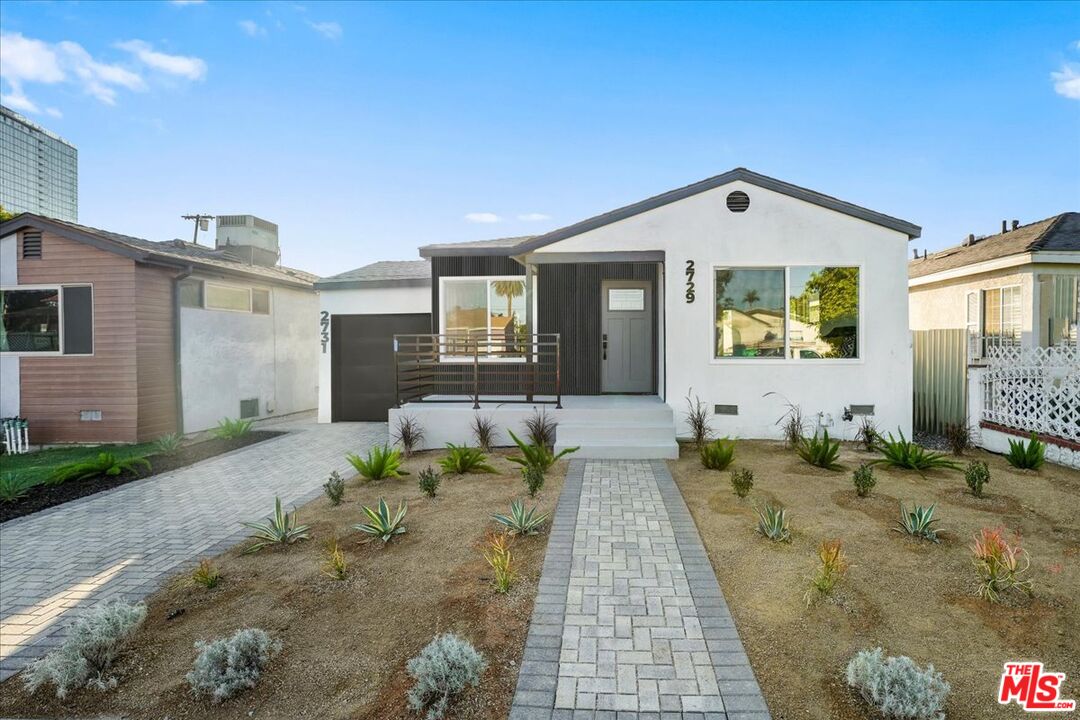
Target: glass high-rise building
(39,170)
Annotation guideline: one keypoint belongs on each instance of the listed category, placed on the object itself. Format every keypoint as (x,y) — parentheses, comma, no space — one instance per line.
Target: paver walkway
(121,543)
(629,621)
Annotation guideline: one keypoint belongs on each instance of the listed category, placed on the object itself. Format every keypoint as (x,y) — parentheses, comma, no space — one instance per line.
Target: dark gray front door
(626,350)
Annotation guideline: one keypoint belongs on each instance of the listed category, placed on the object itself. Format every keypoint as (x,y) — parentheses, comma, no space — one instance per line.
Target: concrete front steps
(638,434)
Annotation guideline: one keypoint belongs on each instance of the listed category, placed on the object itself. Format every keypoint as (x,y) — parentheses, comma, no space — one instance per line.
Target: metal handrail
(503,365)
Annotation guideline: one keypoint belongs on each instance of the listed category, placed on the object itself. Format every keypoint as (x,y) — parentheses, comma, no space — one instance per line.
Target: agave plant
(381,462)
(821,452)
(280,529)
(104,464)
(773,523)
(520,522)
(918,522)
(228,429)
(903,453)
(463,459)
(168,444)
(718,454)
(13,487)
(383,525)
(1028,455)
(536,456)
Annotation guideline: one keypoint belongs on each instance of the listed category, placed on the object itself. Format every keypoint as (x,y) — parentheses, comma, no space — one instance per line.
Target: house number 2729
(689,281)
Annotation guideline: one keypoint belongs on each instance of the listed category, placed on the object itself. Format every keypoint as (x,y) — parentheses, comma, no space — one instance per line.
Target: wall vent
(249,408)
(738,201)
(862,409)
(31,246)
(726,409)
(89,416)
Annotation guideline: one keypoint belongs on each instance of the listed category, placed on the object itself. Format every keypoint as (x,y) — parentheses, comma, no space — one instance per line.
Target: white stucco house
(727,289)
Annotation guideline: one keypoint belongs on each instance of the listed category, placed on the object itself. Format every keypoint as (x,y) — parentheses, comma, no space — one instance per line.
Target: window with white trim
(797,312)
(1001,313)
(489,311)
(57,320)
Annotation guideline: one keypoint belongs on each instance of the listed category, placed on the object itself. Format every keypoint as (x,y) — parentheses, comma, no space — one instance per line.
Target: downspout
(178,365)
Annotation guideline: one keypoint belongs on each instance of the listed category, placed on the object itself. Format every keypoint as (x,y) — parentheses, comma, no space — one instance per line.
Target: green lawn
(37,466)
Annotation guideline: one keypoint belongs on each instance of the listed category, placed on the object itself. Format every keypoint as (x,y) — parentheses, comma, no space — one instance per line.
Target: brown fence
(940,362)
(506,367)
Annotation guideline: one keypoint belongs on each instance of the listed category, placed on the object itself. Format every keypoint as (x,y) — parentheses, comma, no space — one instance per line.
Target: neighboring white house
(730,288)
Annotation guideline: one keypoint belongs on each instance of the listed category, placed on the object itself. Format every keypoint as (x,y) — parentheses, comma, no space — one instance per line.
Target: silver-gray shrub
(441,670)
(897,687)
(227,666)
(93,643)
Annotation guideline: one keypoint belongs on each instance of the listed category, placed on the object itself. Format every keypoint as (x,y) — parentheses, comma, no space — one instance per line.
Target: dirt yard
(910,597)
(345,642)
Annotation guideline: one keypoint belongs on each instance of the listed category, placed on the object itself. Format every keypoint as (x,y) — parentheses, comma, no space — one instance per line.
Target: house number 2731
(324,329)
(689,281)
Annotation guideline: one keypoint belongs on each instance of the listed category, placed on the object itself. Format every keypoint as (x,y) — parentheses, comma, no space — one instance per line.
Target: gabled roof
(517,246)
(1057,233)
(177,253)
(385,273)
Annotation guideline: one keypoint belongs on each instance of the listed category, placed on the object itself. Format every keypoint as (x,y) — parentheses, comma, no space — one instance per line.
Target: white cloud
(17,101)
(1067,82)
(328,29)
(98,79)
(184,66)
(24,59)
(252,28)
(53,112)
(533,217)
(482,217)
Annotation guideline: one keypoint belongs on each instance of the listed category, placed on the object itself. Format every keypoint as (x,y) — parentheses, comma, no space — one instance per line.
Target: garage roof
(385,273)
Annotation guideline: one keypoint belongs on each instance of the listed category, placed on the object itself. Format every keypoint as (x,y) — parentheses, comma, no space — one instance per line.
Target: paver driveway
(629,621)
(122,543)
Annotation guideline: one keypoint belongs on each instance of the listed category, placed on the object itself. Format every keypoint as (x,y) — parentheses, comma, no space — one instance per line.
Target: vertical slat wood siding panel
(155,359)
(54,389)
(940,382)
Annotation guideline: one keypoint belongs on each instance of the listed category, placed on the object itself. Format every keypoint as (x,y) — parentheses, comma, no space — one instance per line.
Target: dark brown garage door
(362,362)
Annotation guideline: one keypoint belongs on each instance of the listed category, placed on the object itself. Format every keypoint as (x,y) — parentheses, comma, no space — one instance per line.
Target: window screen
(78,320)
(223,297)
(260,302)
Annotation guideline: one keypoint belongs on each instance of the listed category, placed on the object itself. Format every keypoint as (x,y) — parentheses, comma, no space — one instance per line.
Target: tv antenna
(201,222)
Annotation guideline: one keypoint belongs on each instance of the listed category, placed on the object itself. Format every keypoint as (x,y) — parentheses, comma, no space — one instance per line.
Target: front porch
(602,426)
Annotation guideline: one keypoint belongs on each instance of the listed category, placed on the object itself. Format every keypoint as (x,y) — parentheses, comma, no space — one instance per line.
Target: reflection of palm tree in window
(750,298)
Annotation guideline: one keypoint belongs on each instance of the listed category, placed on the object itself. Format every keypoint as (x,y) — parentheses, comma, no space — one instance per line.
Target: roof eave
(371,284)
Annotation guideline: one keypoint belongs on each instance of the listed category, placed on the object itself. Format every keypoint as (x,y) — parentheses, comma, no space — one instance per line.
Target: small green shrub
(280,529)
(408,433)
(864,480)
(820,452)
(536,456)
(1028,455)
(206,574)
(105,464)
(742,480)
(541,428)
(520,522)
(334,488)
(13,487)
(429,480)
(976,476)
(381,462)
(918,522)
(383,525)
(94,642)
(868,434)
(896,687)
(905,454)
(168,444)
(718,454)
(228,666)
(443,669)
(958,437)
(831,568)
(773,523)
(462,459)
(533,478)
(484,432)
(228,429)
(334,564)
(697,419)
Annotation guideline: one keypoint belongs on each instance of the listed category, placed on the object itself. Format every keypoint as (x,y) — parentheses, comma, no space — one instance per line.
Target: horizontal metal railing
(513,367)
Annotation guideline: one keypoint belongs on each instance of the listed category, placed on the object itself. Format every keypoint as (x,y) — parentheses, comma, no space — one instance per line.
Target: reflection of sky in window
(767,282)
(799,277)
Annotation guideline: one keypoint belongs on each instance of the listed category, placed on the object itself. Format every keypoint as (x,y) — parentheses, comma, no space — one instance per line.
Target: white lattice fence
(1035,389)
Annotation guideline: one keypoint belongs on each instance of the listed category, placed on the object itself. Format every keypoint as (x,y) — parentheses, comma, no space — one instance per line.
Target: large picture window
(485,310)
(47,320)
(800,313)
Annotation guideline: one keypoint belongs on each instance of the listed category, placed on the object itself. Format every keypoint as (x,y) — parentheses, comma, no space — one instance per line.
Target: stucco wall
(942,305)
(230,356)
(776,230)
(9,366)
(368,301)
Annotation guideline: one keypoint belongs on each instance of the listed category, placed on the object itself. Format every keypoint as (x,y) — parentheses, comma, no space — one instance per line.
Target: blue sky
(366,130)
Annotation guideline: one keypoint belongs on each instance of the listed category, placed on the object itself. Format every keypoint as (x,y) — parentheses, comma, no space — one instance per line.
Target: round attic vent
(738,201)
